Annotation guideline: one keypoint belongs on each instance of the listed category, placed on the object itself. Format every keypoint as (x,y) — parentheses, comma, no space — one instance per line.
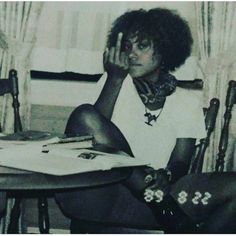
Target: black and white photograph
(117,117)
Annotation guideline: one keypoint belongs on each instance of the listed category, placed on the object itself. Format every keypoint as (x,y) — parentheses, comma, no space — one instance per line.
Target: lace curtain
(18,21)
(76,32)
(216,22)
(75,36)
(17,32)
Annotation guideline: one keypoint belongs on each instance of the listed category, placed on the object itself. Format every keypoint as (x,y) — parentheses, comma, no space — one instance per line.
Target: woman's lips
(134,65)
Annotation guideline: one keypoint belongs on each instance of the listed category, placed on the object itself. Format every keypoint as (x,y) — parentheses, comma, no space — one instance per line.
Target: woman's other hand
(160,180)
(148,178)
(115,61)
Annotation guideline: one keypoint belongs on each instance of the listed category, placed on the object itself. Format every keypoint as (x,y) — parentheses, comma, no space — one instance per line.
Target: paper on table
(11,143)
(62,162)
(5,144)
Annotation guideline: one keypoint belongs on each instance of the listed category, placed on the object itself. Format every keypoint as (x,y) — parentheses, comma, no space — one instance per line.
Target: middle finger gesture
(115,61)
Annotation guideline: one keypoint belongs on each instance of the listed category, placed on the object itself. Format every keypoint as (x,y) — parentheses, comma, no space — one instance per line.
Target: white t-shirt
(181,117)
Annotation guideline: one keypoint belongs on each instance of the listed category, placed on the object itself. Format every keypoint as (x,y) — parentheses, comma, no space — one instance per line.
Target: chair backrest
(196,84)
(223,144)
(210,120)
(10,85)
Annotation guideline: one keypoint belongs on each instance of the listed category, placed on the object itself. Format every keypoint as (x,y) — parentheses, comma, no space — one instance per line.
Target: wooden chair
(210,120)
(10,85)
(223,144)
(196,84)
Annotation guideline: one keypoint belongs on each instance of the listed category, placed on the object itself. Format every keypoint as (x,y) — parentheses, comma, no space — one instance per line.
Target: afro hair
(169,32)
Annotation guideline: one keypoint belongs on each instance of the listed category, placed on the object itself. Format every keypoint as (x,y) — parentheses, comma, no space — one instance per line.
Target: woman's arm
(180,159)
(116,66)
(108,96)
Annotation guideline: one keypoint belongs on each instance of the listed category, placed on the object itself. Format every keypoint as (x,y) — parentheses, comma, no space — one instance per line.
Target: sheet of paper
(14,143)
(61,162)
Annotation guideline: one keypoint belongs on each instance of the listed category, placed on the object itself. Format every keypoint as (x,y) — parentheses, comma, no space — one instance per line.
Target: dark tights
(218,215)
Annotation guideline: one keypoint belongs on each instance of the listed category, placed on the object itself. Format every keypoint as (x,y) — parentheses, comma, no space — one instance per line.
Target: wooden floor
(58,222)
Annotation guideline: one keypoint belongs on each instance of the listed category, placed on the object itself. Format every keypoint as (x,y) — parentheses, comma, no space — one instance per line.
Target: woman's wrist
(116,79)
(168,174)
(158,183)
(177,170)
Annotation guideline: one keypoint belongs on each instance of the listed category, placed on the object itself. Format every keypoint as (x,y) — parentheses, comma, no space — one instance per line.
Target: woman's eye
(142,46)
(127,47)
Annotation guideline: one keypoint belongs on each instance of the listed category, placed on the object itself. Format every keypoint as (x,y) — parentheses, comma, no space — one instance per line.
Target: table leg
(13,227)
(43,215)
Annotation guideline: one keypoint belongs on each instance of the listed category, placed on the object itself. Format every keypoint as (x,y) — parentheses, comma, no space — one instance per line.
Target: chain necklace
(150,117)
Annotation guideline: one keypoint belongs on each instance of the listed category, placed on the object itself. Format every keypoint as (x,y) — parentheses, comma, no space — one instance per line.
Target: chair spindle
(223,144)
(16,105)
(210,120)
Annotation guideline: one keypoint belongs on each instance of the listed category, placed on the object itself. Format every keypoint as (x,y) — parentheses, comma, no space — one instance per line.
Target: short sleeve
(190,121)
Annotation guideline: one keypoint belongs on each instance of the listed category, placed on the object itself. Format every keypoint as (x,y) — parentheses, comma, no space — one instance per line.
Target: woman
(141,112)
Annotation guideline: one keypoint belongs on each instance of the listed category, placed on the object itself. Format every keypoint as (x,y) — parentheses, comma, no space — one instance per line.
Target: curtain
(18,21)
(76,32)
(18,27)
(75,36)
(216,27)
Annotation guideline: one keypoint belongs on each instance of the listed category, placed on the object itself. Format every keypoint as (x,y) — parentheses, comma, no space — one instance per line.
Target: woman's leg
(94,204)
(85,120)
(209,198)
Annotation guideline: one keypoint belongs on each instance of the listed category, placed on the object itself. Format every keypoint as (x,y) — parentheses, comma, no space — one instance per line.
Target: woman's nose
(133,54)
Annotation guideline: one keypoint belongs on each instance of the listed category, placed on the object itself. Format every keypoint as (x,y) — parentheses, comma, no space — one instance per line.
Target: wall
(75,93)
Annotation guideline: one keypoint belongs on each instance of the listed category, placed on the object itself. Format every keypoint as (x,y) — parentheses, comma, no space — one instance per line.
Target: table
(22,183)
(36,181)
(19,183)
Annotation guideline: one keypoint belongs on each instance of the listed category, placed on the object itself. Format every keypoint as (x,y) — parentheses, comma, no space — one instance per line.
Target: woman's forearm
(181,156)
(116,65)
(107,98)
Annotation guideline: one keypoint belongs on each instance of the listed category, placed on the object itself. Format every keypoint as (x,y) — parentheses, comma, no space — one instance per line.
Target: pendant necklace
(151,117)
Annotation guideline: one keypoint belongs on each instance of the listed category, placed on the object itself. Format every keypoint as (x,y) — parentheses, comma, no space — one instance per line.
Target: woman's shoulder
(187,94)
(186,107)
(186,99)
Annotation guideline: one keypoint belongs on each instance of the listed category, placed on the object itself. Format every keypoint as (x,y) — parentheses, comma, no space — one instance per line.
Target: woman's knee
(84,116)
(83,113)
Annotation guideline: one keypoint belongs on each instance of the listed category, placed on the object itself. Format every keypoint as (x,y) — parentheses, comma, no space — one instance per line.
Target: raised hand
(115,61)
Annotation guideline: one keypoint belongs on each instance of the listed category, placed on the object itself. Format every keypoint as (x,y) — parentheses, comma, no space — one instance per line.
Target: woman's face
(143,61)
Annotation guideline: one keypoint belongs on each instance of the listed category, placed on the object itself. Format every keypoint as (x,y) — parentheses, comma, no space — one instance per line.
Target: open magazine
(57,156)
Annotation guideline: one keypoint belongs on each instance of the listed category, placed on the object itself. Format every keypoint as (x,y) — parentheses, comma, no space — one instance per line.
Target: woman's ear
(157,56)
(162,66)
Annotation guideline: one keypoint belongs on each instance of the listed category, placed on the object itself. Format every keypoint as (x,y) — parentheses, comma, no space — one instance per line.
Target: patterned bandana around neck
(164,87)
